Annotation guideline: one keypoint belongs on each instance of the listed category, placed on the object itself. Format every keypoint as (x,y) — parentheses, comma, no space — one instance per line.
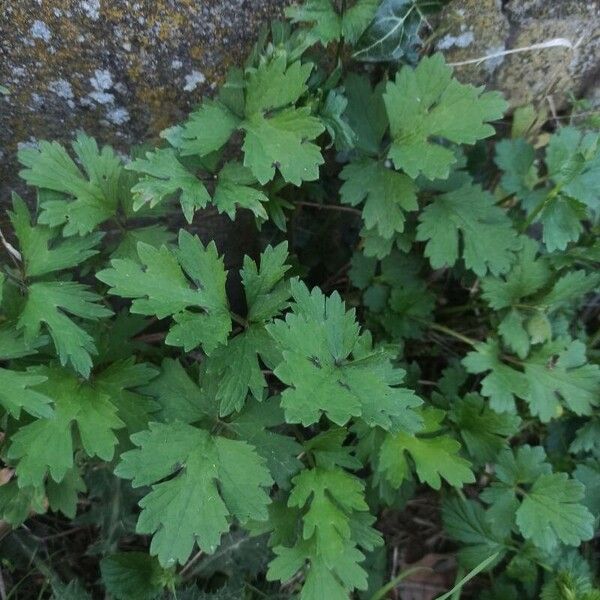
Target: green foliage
(416,318)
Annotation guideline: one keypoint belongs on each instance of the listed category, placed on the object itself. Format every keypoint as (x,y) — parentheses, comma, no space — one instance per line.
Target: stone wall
(469,29)
(122,70)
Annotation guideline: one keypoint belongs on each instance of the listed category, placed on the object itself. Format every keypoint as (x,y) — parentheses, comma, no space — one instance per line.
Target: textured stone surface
(122,70)
(476,28)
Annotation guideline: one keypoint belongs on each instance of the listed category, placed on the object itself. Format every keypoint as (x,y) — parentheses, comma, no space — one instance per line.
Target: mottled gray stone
(475,28)
(122,70)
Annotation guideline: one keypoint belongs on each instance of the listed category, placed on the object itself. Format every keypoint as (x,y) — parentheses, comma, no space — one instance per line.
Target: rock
(476,28)
(122,70)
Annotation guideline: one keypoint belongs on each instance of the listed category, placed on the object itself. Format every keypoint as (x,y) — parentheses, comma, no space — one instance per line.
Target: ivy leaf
(435,457)
(234,189)
(196,462)
(132,576)
(16,393)
(551,512)
(394,33)
(94,193)
(330,368)
(164,177)
(387,195)
(427,102)
(47,303)
(483,430)
(206,130)
(46,445)
(488,238)
(42,253)
(159,287)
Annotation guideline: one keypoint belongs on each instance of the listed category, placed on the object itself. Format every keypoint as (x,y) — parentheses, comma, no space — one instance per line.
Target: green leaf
(483,430)
(514,471)
(64,496)
(195,462)
(427,102)
(516,159)
(551,512)
(16,394)
(387,195)
(394,33)
(333,117)
(275,84)
(47,303)
(573,159)
(277,135)
(94,193)
(282,142)
(465,521)
(234,190)
(153,235)
(503,382)
(488,238)
(237,368)
(254,425)
(365,112)
(159,286)
(132,576)
(206,130)
(330,499)
(164,176)
(434,457)
(45,446)
(17,503)
(266,289)
(41,252)
(331,369)
(14,345)
(328,25)
(527,275)
(561,370)
(179,398)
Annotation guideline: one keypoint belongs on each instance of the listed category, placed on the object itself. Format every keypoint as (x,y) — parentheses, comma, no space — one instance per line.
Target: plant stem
(540,207)
(452,333)
(337,207)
